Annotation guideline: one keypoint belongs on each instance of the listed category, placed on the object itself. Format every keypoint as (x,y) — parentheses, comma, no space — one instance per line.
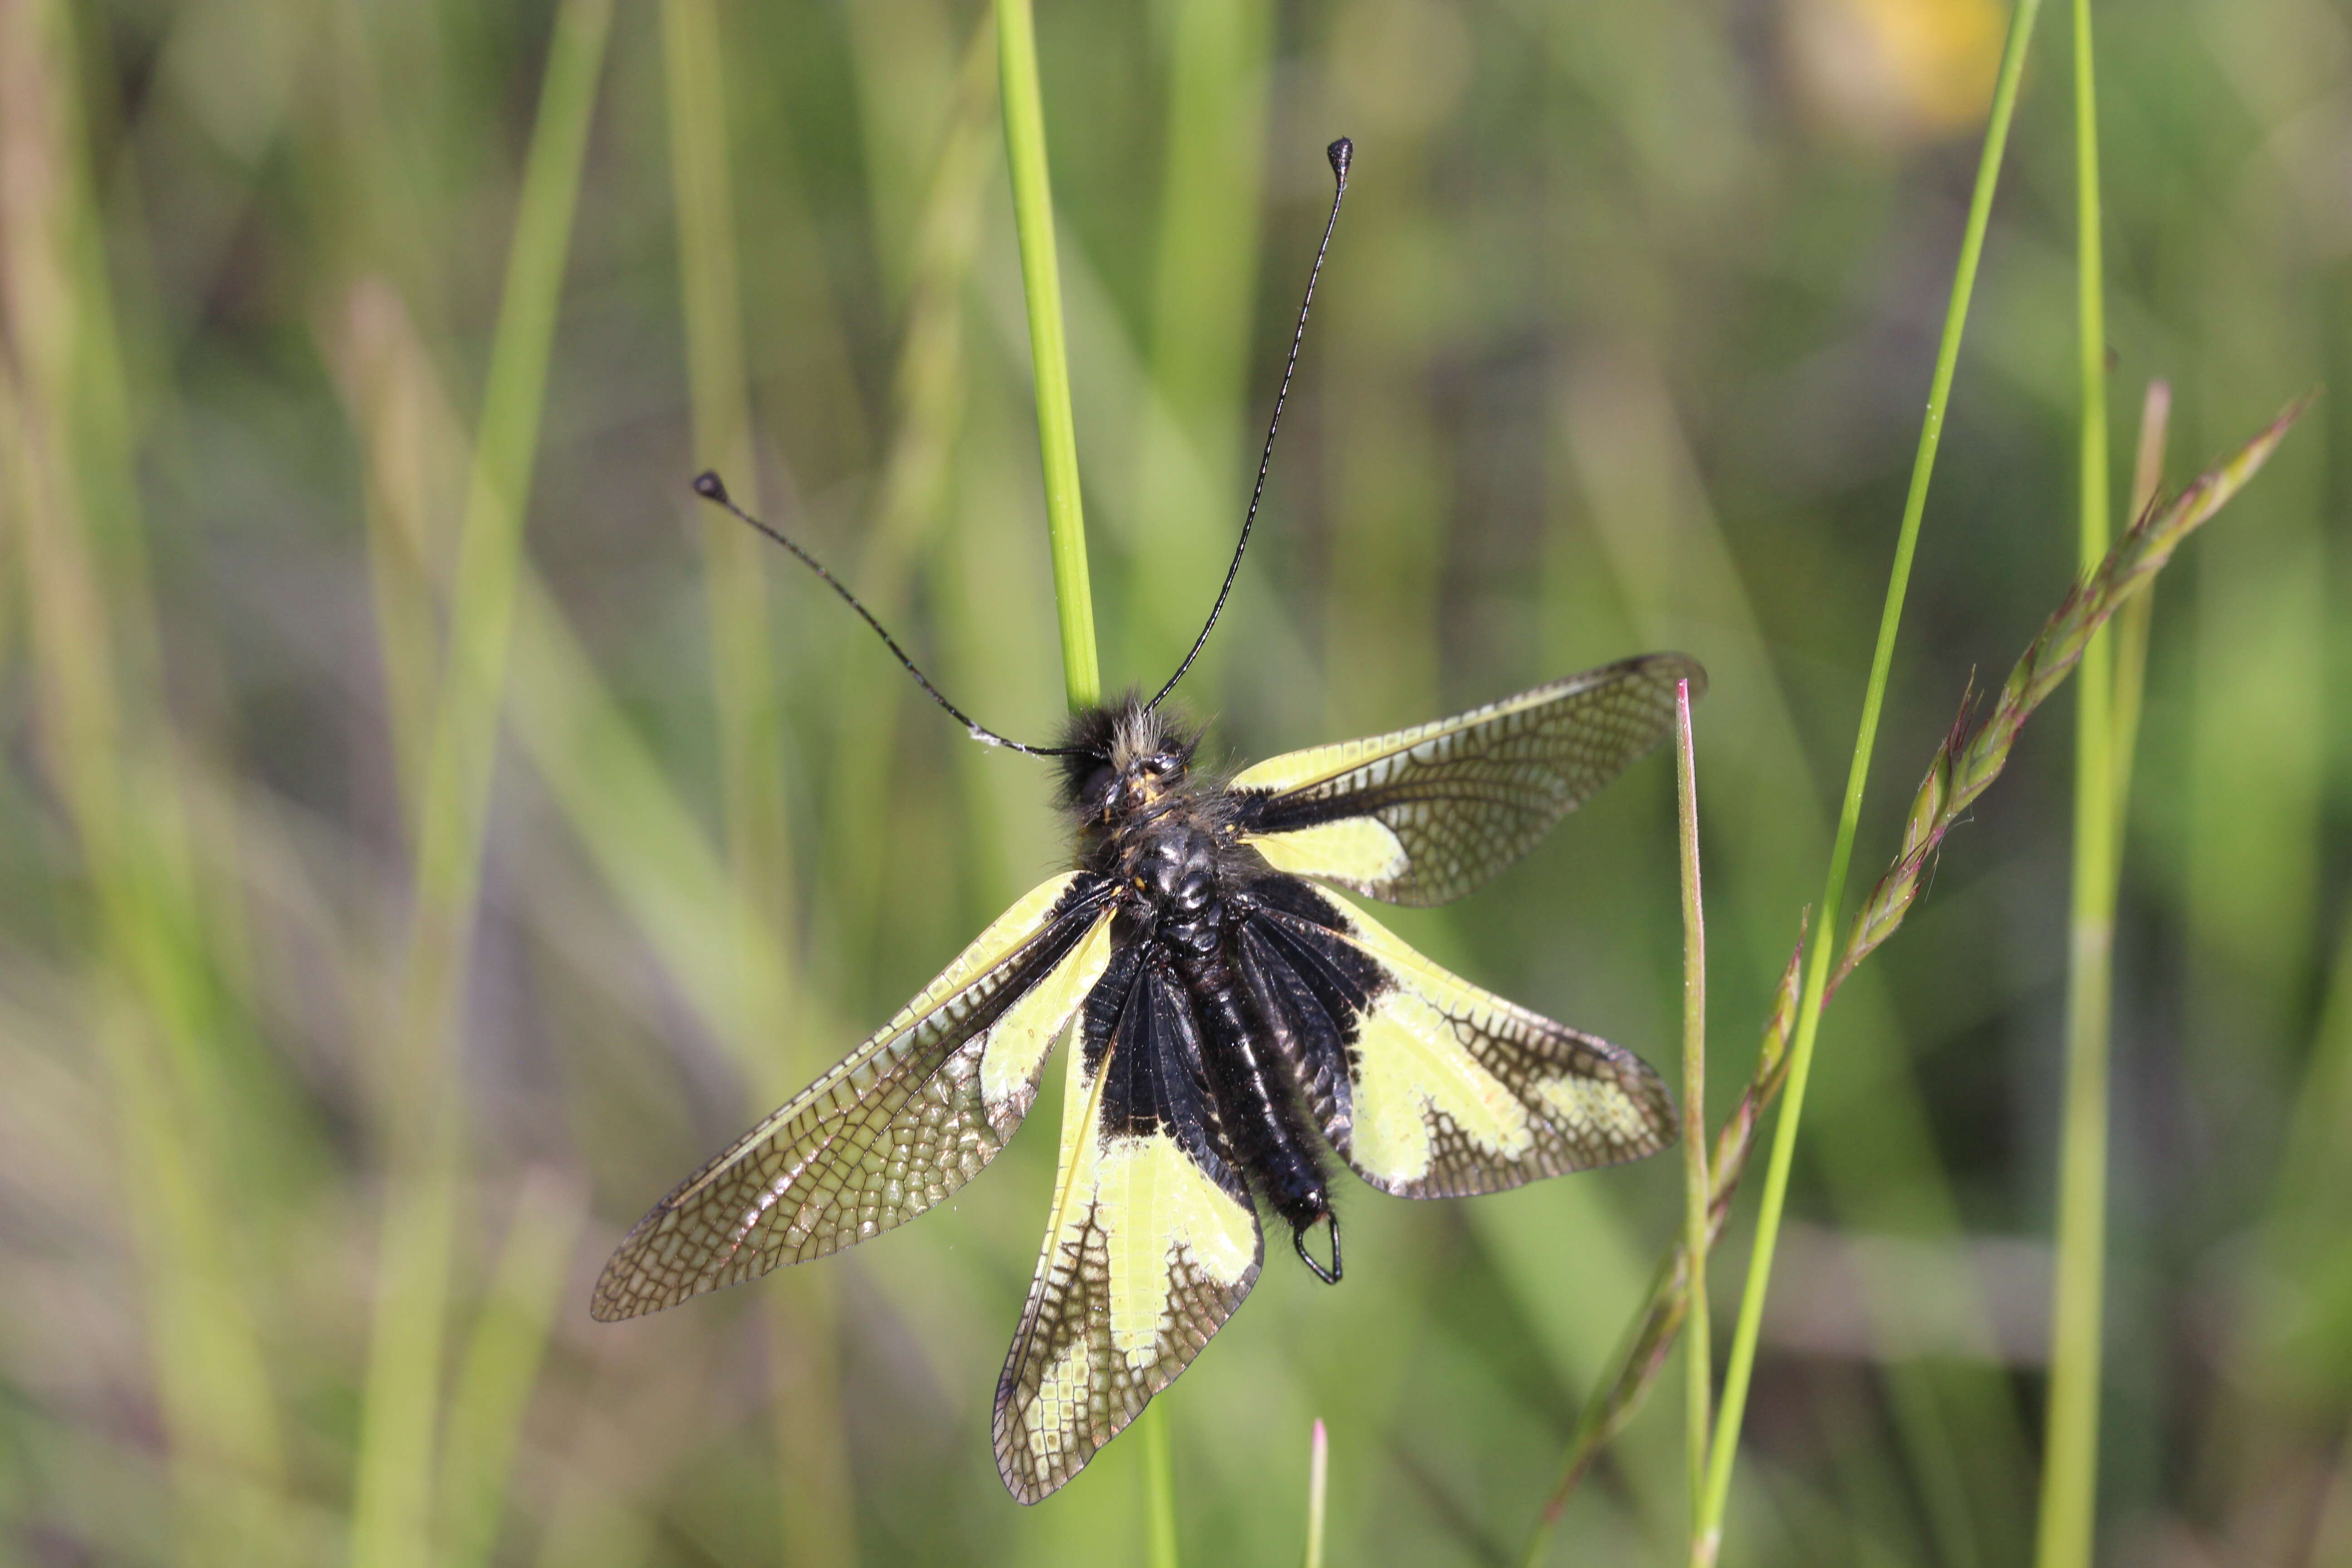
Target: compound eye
(1163,763)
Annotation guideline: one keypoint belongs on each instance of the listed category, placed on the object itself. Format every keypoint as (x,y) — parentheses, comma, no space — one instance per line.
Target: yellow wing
(1424,814)
(1426,1085)
(1151,1243)
(904,1119)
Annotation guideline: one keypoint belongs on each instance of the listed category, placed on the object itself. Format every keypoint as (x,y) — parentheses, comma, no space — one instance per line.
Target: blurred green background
(429,835)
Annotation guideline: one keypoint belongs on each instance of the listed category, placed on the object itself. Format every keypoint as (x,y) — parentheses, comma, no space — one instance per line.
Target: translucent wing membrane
(908,1117)
(1151,1243)
(1425,814)
(1427,1086)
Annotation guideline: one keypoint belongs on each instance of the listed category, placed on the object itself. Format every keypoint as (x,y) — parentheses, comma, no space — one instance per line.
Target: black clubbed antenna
(1342,153)
(712,487)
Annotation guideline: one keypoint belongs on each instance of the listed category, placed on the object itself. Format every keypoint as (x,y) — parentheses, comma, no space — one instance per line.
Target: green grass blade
(1033,210)
(1319,1478)
(1697,1343)
(2071,1442)
(1159,1488)
(1041,282)
(813,1482)
(103,738)
(1203,280)
(1741,1365)
(1876,1156)
(930,389)
(734,564)
(501,1363)
(393,1506)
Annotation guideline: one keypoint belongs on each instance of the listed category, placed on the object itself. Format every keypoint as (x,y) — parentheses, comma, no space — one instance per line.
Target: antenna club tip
(1341,153)
(711,487)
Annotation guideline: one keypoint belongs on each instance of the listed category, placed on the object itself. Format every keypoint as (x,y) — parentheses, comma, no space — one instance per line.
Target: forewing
(1151,1243)
(1426,1085)
(1424,814)
(904,1119)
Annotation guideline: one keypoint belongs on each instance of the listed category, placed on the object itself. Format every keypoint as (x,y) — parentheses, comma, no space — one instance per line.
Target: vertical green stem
(1040,282)
(112,762)
(1698,1342)
(1158,1488)
(1741,1366)
(2071,1449)
(813,1489)
(1204,276)
(392,1509)
(1318,1475)
(499,1367)
(1041,279)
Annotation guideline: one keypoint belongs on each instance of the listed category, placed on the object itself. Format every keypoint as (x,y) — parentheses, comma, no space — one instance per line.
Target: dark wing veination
(1424,814)
(904,1119)
(1426,1085)
(1152,1241)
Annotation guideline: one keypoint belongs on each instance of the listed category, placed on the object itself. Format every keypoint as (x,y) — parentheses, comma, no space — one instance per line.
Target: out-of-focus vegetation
(428,836)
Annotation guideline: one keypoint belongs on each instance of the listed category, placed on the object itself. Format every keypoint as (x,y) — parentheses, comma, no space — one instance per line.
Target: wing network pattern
(1426,1085)
(906,1119)
(1151,1245)
(1423,815)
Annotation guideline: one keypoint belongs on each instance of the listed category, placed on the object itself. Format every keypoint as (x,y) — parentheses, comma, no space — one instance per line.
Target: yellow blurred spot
(1897,70)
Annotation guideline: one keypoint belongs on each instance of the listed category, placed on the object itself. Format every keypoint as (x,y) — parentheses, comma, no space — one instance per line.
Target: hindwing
(1426,1085)
(906,1119)
(1153,1240)
(1423,815)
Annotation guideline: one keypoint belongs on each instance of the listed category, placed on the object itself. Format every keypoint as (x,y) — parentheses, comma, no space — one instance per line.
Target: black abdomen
(1174,865)
(1267,1131)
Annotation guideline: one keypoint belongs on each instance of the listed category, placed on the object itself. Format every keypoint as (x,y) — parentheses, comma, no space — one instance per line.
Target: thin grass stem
(1158,1488)
(2070,1442)
(500,1364)
(1697,1344)
(1319,1476)
(1032,215)
(1041,282)
(1204,277)
(396,1465)
(157,1012)
(812,1472)
(1972,756)
(1741,1366)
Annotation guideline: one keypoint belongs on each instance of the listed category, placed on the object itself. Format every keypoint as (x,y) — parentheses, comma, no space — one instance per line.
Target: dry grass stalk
(1964,767)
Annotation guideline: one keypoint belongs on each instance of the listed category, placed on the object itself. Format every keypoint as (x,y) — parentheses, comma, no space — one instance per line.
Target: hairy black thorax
(1165,837)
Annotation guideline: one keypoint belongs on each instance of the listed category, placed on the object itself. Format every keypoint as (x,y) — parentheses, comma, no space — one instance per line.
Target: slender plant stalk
(1040,282)
(811,1471)
(927,402)
(2070,1442)
(157,1011)
(1203,278)
(394,1503)
(1318,1475)
(1970,758)
(1032,215)
(1158,1488)
(1741,1366)
(743,684)
(1651,1336)
(1697,1343)
(500,1365)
